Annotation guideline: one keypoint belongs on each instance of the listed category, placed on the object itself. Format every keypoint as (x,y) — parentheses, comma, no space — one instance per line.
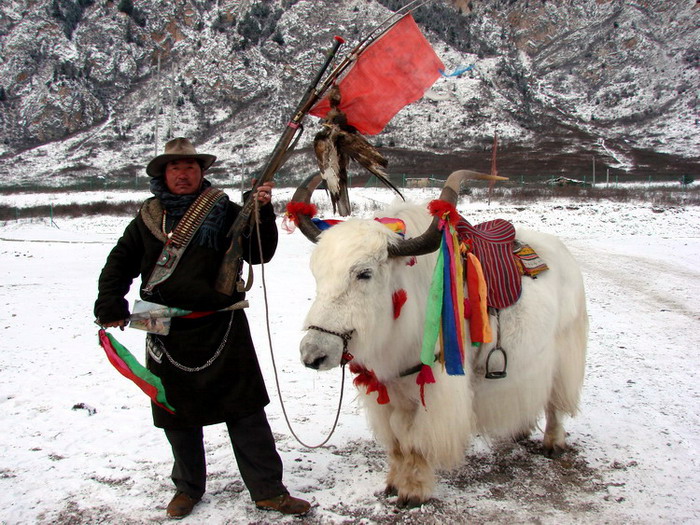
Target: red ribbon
(367,378)
(424,376)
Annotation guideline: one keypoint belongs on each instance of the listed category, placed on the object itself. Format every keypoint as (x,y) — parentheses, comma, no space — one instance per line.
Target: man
(207,363)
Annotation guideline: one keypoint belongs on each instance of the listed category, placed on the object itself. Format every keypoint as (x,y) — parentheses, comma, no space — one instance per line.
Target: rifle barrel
(228,272)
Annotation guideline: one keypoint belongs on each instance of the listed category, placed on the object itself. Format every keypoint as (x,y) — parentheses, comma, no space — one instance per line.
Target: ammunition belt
(194,217)
(181,236)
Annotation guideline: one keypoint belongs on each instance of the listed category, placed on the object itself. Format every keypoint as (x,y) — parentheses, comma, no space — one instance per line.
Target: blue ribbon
(457,72)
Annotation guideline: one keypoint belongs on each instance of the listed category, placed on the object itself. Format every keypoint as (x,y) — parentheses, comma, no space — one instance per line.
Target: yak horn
(303,194)
(429,240)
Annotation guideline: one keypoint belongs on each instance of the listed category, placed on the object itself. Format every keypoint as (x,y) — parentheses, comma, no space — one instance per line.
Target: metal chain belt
(209,361)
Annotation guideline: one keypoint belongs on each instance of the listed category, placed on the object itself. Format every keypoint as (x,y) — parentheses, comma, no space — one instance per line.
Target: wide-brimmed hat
(177,149)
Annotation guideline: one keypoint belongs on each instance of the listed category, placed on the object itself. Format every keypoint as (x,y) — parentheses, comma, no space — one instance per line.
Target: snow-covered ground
(78,445)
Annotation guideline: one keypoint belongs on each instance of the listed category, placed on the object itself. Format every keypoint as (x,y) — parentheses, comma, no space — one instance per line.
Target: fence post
(51,216)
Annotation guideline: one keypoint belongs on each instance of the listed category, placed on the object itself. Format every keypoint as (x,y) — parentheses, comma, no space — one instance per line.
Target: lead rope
(272,354)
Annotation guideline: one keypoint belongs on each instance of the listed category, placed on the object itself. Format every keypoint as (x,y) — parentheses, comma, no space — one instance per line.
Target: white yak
(359,264)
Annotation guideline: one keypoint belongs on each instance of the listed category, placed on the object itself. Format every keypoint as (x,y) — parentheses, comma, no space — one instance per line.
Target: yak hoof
(390,490)
(405,502)
(522,436)
(554,452)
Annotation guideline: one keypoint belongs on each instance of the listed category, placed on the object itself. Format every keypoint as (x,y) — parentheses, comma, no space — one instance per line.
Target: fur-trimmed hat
(177,149)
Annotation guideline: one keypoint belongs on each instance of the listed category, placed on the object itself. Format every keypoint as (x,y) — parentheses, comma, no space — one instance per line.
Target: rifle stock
(229,269)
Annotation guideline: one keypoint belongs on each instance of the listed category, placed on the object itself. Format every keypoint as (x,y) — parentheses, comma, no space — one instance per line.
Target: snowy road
(78,446)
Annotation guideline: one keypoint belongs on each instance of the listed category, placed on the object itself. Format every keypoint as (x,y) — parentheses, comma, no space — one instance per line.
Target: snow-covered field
(78,445)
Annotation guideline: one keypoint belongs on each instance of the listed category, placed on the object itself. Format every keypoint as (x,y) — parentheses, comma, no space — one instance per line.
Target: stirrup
(496,374)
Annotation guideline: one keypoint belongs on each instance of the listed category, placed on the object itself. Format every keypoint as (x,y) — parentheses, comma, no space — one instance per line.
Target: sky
(78,445)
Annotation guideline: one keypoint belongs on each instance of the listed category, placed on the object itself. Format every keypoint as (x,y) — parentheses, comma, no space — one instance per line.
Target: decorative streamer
(446,308)
(431,328)
(459,297)
(479,325)
(324,224)
(395,225)
(453,312)
(129,367)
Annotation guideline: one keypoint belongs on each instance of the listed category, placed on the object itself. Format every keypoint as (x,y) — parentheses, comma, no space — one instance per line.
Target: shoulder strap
(181,236)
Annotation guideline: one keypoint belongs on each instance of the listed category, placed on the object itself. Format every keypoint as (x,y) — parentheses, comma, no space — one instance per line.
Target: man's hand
(264,194)
(114,324)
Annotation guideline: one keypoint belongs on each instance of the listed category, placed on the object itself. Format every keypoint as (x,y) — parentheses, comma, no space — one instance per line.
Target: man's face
(183,177)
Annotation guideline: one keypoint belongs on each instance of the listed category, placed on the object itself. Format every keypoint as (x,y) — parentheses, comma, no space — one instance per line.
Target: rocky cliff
(89,88)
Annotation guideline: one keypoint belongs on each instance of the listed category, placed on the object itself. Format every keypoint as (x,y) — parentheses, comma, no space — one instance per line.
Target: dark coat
(232,385)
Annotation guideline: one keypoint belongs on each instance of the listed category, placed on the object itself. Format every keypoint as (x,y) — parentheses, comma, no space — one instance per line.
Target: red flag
(394,71)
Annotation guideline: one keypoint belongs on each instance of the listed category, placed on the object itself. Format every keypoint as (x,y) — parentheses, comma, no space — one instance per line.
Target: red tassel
(368,379)
(399,299)
(383,397)
(425,376)
(300,208)
(438,208)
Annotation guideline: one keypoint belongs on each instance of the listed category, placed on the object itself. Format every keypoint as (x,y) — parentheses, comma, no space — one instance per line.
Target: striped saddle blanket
(504,260)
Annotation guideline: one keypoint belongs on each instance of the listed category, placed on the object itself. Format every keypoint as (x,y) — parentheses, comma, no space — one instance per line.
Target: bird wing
(359,149)
(332,164)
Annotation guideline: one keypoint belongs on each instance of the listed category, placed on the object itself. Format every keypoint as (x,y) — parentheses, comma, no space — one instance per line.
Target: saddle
(504,259)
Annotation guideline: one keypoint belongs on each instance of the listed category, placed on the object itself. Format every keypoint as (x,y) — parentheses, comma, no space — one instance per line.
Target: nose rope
(272,354)
(345,336)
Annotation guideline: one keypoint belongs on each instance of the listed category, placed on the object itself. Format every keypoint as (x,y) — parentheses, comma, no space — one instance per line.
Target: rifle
(226,281)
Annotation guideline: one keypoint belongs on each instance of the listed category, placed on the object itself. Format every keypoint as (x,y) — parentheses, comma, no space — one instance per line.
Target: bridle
(345,336)
(347,356)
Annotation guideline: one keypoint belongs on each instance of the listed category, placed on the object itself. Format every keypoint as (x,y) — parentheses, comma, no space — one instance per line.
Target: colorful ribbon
(129,367)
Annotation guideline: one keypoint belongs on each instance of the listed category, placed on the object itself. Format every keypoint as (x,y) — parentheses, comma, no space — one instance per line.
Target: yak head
(352,310)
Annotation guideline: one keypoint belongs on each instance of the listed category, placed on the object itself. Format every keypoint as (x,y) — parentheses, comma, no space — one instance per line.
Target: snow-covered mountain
(89,87)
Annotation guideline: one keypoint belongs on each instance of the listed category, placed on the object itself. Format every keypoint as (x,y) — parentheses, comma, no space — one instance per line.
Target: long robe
(229,387)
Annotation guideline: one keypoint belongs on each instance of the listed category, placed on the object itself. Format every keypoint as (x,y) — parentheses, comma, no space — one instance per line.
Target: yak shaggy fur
(544,335)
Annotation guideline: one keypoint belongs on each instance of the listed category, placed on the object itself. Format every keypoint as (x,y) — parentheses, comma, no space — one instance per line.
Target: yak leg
(395,459)
(417,480)
(554,441)
(410,477)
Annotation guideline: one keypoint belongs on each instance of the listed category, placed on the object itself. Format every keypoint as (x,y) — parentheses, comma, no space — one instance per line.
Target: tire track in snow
(660,284)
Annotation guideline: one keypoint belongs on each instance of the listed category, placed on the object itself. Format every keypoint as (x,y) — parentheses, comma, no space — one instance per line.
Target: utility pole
(171,133)
(155,144)
(242,190)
